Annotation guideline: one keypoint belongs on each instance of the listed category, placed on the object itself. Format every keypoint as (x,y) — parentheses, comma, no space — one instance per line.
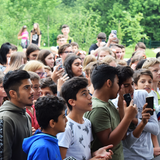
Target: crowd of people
(65,103)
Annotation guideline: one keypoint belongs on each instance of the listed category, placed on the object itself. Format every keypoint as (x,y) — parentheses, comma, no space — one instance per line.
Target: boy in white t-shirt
(76,139)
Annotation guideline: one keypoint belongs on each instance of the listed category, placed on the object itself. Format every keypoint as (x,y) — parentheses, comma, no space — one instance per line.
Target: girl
(36,35)
(23,35)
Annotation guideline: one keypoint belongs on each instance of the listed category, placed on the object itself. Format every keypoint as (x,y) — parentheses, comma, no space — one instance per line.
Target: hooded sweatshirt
(41,146)
(15,125)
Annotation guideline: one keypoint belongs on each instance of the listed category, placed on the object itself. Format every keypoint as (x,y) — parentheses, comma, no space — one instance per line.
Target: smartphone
(59,62)
(150,101)
(70,158)
(103,40)
(127,98)
(114,32)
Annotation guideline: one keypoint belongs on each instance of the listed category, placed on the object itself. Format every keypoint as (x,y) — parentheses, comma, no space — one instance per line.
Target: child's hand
(103,154)
(156,151)
(130,111)
(57,74)
(61,81)
(145,115)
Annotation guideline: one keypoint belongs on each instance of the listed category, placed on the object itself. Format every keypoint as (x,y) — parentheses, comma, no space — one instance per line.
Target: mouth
(90,104)
(31,98)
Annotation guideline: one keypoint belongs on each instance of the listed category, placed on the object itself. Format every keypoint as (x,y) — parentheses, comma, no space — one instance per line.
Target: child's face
(118,53)
(65,31)
(129,86)
(75,48)
(102,54)
(36,88)
(155,69)
(77,67)
(61,42)
(46,91)
(50,60)
(60,125)
(84,101)
(2,92)
(144,82)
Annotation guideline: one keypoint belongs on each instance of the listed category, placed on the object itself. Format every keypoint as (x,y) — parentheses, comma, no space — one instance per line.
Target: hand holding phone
(114,32)
(127,98)
(150,101)
(59,62)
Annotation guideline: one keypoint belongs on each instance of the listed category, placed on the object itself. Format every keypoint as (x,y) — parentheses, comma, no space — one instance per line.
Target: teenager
(15,124)
(76,139)
(61,40)
(50,112)
(2,91)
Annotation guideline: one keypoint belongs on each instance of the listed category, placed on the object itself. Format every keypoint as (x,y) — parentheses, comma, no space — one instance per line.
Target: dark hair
(63,48)
(48,108)
(101,35)
(68,64)
(140,45)
(137,74)
(12,80)
(65,26)
(48,82)
(14,47)
(101,74)
(140,64)
(43,54)
(31,48)
(71,87)
(4,50)
(74,44)
(125,72)
(158,55)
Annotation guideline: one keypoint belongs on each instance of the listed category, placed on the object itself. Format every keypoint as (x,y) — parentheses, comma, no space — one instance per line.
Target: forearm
(108,43)
(95,52)
(154,141)
(137,132)
(120,107)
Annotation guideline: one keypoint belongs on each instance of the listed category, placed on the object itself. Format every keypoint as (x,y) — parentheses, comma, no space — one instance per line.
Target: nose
(66,119)
(32,91)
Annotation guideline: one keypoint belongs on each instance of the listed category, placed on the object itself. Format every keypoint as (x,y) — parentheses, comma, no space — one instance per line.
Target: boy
(117,50)
(109,125)
(48,87)
(76,139)
(61,40)
(65,30)
(137,147)
(50,112)
(2,91)
(75,47)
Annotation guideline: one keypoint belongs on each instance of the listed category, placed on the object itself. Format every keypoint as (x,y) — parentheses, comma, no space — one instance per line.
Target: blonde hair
(108,59)
(16,60)
(122,62)
(105,49)
(37,29)
(88,59)
(33,66)
(150,62)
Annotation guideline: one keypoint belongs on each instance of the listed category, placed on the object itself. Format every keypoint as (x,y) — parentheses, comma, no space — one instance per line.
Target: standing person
(36,35)
(15,124)
(65,30)
(23,35)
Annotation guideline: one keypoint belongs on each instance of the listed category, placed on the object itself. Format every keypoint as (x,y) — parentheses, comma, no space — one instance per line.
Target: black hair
(71,87)
(4,50)
(48,108)
(101,74)
(125,72)
(12,80)
(48,82)
(140,64)
(68,64)
(158,55)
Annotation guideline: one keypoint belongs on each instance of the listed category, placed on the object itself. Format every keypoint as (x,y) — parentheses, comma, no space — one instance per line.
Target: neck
(49,131)
(17,104)
(101,95)
(1,100)
(76,115)
(154,86)
(66,37)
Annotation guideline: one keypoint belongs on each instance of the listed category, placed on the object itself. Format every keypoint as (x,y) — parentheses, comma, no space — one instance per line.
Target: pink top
(25,32)
(33,118)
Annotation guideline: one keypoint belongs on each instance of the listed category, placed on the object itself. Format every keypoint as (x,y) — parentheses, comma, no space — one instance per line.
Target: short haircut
(88,59)
(31,48)
(122,46)
(115,46)
(48,108)
(65,26)
(140,45)
(71,87)
(101,35)
(108,59)
(60,36)
(101,74)
(68,64)
(138,73)
(125,72)
(33,65)
(140,64)
(63,48)
(48,82)
(150,62)
(74,44)
(33,76)
(14,47)
(12,80)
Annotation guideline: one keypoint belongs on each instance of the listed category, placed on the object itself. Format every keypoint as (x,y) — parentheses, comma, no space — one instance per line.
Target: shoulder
(94,46)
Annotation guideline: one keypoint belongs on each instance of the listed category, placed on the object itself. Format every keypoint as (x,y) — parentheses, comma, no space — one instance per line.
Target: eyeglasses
(41,74)
(68,52)
(80,53)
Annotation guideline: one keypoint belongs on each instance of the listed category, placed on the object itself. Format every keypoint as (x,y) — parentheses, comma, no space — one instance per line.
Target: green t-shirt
(70,39)
(104,115)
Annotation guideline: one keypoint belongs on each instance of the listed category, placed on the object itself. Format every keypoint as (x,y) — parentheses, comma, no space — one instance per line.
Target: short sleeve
(65,138)
(100,119)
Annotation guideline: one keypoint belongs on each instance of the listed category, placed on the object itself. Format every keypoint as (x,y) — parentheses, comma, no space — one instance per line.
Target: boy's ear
(135,86)
(13,94)
(71,102)
(52,123)
(109,83)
